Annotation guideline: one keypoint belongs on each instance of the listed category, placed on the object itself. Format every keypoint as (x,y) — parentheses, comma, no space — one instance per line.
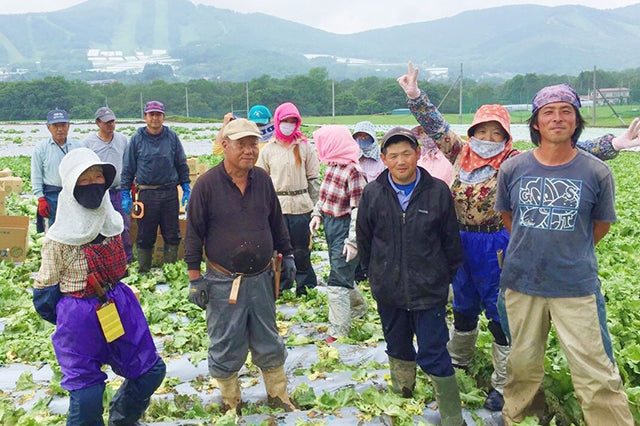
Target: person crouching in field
(82,259)
(409,244)
(337,207)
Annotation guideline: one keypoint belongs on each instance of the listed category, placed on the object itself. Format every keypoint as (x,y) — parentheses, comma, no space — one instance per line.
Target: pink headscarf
(287,110)
(336,145)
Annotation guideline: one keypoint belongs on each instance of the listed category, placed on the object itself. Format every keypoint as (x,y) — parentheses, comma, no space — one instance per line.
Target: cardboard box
(3,202)
(193,164)
(5,172)
(11,184)
(158,252)
(14,238)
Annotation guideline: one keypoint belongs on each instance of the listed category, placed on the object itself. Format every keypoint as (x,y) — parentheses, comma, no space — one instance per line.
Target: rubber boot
(495,400)
(448,398)
(461,346)
(403,376)
(275,382)
(144,259)
(230,390)
(170,253)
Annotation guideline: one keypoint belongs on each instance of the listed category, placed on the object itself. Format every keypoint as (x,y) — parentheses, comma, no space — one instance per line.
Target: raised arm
(428,116)
(607,147)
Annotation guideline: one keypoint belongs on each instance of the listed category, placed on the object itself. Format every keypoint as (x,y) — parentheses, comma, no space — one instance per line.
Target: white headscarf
(76,225)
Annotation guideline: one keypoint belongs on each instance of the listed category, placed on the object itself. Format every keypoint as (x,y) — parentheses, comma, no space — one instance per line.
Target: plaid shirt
(341,190)
(69,265)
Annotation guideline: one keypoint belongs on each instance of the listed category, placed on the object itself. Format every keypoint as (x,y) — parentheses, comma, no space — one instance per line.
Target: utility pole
(593,97)
(141,107)
(460,100)
(333,101)
(186,97)
(247,99)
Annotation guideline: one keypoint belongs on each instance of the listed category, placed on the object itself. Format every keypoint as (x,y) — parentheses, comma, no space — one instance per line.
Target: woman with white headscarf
(82,259)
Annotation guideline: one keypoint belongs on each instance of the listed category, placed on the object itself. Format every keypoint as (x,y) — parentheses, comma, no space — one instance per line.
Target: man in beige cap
(235,215)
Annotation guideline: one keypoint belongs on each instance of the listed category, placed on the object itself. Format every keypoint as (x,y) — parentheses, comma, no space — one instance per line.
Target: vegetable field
(344,383)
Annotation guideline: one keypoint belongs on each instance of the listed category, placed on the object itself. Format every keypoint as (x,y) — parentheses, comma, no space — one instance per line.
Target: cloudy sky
(339,16)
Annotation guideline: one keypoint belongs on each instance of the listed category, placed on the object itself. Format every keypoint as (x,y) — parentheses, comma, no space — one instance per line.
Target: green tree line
(312,93)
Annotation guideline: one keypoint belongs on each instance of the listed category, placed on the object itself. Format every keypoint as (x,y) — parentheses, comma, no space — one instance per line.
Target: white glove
(314,224)
(409,82)
(629,138)
(350,252)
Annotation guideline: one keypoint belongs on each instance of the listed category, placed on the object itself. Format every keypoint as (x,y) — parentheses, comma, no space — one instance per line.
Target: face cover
(486,149)
(365,143)
(287,129)
(89,196)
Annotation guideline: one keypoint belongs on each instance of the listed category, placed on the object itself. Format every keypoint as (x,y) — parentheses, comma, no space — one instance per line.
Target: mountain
(204,41)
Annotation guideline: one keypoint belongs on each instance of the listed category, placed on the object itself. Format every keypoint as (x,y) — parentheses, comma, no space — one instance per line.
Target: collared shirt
(238,231)
(64,264)
(109,152)
(403,195)
(341,190)
(280,163)
(45,161)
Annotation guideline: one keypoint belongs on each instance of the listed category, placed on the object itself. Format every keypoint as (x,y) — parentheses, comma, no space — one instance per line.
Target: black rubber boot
(144,259)
(170,253)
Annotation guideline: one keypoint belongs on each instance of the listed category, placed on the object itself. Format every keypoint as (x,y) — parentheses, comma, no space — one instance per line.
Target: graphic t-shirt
(551,252)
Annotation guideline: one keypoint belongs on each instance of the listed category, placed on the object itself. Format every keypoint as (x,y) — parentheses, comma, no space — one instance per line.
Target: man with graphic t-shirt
(557,202)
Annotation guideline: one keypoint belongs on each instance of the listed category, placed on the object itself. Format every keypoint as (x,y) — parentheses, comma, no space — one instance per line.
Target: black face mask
(90,196)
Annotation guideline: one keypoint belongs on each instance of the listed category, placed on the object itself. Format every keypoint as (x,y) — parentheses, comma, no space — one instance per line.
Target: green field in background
(604,117)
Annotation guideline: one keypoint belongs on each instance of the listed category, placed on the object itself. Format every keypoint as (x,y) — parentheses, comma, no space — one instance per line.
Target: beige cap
(240,128)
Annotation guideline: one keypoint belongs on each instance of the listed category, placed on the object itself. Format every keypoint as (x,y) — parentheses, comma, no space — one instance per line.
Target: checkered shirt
(341,189)
(69,265)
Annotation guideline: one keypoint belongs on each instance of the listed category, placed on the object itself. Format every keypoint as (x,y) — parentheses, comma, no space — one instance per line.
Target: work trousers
(430,329)
(298,226)
(477,282)
(247,325)
(160,209)
(345,300)
(342,273)
(581,327)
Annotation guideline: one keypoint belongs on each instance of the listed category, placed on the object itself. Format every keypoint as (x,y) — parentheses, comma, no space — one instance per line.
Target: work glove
(314,224)
(199,292)
(186,194)
(288,275)
(409,82)
(45,301)
(127,202)
(629,138)
(43,207)
(349,251)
